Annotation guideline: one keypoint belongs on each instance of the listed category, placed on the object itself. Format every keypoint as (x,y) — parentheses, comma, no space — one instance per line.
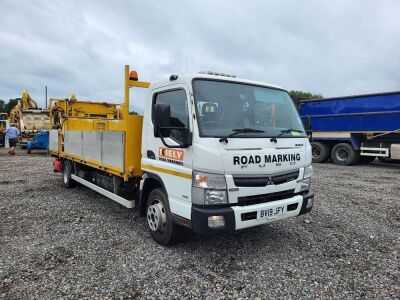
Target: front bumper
(239,217)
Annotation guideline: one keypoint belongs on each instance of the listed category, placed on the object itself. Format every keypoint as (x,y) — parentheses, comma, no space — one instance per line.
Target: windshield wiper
(289,130)
(237,131)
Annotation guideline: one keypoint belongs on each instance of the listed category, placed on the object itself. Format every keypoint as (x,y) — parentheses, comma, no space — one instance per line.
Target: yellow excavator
(28,118)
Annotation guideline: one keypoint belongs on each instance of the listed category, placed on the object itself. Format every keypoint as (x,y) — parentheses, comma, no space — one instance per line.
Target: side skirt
(104,192)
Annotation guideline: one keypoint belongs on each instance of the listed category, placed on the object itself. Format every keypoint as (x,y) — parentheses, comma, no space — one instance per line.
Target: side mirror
(162,120)
(186,137)
(162,127)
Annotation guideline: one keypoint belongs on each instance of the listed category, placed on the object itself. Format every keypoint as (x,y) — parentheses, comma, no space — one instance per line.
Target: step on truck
(211,153)
(354,129)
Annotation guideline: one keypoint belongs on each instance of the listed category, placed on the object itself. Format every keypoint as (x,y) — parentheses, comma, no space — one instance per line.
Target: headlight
(208,180)
(208,189)
(305,183)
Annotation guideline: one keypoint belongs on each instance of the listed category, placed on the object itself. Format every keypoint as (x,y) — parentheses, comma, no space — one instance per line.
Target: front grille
(283,178)
(263,198)
(260,181)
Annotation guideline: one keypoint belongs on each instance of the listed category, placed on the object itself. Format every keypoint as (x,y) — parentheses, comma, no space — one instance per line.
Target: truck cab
(225,154)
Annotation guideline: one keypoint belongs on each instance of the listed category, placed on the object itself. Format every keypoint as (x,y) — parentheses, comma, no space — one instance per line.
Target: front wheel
(67,171)
(159,219)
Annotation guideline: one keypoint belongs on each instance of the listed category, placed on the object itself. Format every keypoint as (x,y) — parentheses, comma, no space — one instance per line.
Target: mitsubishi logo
(269,180)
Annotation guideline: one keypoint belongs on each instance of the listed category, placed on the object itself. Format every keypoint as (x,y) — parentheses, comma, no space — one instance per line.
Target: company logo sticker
(170,155)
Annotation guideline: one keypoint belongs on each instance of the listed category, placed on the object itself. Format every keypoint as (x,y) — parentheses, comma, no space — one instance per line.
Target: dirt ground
(60,243)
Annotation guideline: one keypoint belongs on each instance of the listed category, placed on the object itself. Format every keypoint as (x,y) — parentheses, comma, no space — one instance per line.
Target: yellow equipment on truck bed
(100,135)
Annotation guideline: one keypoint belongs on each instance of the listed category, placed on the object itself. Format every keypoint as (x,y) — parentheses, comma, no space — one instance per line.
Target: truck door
(172,165)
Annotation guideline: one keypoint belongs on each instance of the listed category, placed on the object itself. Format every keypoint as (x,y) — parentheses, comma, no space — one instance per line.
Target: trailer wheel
(366,159)
(159,219)
(320,152)
(67,171)
(343,154)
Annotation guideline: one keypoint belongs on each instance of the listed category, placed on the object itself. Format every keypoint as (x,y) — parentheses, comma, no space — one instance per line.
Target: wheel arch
(151,181)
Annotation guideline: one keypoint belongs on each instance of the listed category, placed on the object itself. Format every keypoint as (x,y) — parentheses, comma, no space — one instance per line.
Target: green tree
(2,106)
(300,95)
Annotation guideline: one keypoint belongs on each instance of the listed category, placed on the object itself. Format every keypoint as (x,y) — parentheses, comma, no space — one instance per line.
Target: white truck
(212,153)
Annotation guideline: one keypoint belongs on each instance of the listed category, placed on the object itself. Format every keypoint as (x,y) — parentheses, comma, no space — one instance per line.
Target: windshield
(224,106)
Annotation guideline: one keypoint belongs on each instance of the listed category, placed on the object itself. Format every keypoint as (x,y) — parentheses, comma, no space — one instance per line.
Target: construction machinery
(28,118)
(211,153)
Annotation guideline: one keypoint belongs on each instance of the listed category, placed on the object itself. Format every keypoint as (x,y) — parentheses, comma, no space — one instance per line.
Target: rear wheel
(343,154)
(67,171)
(320,152)
(159,219)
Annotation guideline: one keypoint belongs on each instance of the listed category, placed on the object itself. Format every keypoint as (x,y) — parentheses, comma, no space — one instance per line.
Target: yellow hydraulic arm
(25,103)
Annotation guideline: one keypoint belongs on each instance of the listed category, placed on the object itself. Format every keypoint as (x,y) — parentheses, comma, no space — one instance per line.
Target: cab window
(179,110)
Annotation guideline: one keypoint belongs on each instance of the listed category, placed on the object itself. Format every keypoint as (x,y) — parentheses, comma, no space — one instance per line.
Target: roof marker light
(217,74)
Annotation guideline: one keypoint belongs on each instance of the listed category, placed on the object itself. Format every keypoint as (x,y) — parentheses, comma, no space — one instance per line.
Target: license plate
(270,213)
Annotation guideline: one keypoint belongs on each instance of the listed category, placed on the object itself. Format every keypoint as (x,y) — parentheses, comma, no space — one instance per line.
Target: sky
(333,48)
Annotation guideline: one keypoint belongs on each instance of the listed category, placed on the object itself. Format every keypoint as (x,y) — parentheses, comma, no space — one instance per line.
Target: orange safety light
(133,76)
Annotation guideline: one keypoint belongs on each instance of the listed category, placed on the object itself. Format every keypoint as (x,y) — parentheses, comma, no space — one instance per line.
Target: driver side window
(179,110)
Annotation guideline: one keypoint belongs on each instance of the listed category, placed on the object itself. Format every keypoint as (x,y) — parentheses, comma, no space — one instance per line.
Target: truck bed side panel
(105,148)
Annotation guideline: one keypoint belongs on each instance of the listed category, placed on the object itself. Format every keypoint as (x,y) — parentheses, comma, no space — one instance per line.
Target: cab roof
(187,79)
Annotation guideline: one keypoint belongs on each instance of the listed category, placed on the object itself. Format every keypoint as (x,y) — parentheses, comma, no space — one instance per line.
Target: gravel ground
(59,243)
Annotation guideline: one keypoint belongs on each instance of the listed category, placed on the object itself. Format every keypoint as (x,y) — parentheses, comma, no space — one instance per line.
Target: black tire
(343,154)
(29,150)
(159,219)
(67,171)
(366,159)
(320,152)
